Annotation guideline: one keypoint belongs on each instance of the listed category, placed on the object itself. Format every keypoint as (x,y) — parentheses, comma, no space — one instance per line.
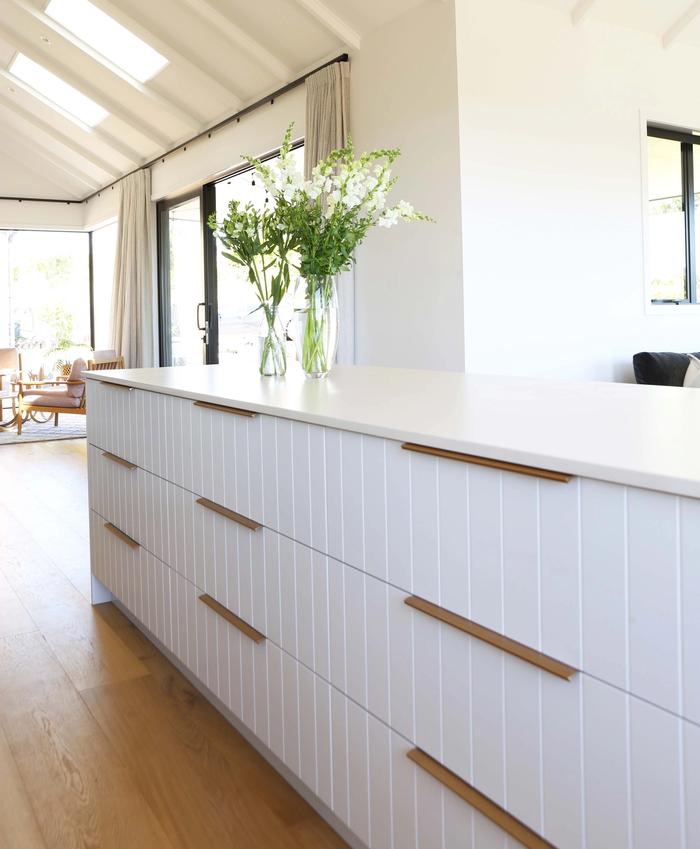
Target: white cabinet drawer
(141,582)
(114,421)
(564,757)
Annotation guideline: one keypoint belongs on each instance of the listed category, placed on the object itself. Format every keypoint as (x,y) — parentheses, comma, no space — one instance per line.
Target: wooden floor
(103,743)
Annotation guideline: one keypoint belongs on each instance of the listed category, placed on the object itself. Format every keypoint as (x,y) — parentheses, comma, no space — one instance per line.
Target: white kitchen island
(458,612)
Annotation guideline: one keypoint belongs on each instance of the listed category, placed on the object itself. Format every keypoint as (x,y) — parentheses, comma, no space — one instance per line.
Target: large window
(674,190)
(239,319)
(207,307)
(45,295)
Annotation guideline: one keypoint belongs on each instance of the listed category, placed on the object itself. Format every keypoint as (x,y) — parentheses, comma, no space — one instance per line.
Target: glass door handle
(201,326)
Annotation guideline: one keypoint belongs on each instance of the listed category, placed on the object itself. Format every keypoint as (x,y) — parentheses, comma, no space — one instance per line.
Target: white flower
(405,209)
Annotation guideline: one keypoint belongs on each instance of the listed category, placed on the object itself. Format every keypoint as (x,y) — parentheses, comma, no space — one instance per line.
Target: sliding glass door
(208,310)
(185,311)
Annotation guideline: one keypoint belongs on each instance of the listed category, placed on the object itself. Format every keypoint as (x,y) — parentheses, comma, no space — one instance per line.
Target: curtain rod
(43,200)
(269,98)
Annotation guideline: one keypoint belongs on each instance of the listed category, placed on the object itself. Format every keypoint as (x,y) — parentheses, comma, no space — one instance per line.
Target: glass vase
(273,353)
(317,327)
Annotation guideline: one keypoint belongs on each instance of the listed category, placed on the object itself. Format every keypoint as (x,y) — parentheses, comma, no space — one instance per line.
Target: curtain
(327,128)
(133,296)
(327,113)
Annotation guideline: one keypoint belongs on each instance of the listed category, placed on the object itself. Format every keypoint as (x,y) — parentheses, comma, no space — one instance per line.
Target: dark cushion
(665,369)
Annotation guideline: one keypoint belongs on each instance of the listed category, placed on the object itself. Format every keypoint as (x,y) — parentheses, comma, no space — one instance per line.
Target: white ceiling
(672,21)
(222,55)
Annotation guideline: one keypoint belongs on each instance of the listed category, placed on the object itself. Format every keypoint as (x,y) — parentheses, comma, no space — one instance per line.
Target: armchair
(67,396)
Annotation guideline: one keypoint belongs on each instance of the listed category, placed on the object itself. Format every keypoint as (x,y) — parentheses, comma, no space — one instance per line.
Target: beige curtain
(133,295)
(327,128)
(327,113)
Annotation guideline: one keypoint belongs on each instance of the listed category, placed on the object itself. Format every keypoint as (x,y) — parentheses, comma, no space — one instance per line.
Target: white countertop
(647,436)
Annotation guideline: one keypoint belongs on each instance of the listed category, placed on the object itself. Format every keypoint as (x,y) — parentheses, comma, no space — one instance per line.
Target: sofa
(661,369)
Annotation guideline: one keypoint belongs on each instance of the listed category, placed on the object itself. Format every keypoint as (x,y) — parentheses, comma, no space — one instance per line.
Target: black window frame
(687,141)
(207,196)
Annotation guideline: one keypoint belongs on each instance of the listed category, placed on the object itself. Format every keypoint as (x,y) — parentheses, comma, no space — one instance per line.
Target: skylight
(59,93)
(109,38)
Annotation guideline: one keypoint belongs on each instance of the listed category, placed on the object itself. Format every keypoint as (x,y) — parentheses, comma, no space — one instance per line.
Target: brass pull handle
(498,815)
(113,529)
(229,514)
(249,414)
(493,638)
(531,471)
(122,462)
(232,619)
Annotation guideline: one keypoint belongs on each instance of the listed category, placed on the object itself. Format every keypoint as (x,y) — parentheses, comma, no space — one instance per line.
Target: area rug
(69,427)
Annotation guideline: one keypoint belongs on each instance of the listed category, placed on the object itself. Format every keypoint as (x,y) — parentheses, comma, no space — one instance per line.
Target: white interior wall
(257,133)
(408,280)
(552,147)
(39,215)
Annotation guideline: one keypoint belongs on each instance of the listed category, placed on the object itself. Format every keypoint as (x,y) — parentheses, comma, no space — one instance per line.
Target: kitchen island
(455,611)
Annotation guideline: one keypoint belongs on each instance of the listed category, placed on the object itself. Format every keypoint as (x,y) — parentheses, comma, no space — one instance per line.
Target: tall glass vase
(317,327)
(273,354)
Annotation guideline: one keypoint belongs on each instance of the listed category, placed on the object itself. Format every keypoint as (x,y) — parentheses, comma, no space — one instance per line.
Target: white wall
(551,120)
(39,215)
(408,281)
(258,132)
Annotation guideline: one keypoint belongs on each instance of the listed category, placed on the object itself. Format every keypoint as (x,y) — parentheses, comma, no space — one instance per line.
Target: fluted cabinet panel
(331,532)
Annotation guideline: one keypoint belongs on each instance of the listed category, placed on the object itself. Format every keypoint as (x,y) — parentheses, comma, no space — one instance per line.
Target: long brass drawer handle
(232,619)
(249,414)
(531,471)
(512,826)
(229,514)
(122,462)
(493,638)
(113,529)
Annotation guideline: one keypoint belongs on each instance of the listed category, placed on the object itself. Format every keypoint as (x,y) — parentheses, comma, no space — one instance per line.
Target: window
(208,311)
(58,93)
(45,295)
(239,320)
(108,37)
(104,248)
(674,191)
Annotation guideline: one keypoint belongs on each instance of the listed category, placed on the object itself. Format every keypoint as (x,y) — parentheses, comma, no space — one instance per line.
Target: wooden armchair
(55,397)
(104,364)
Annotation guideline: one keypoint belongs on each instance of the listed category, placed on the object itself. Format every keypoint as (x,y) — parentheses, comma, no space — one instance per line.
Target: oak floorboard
(14,617)
(104,744)
(196,718)
(82,794)
(18,825)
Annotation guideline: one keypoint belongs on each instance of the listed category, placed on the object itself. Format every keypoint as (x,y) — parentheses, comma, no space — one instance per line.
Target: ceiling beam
(10,153)
(185,116)
(173,54)
(119,147)
(79,82)
(12,106)
(41,151)
(223,24)
(681,24)
(581,11)
(332,22)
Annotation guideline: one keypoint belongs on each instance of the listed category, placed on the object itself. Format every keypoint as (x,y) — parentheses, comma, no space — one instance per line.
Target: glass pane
(238,319)
(186,283)
(45,296)
(666,221)
(104,247)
